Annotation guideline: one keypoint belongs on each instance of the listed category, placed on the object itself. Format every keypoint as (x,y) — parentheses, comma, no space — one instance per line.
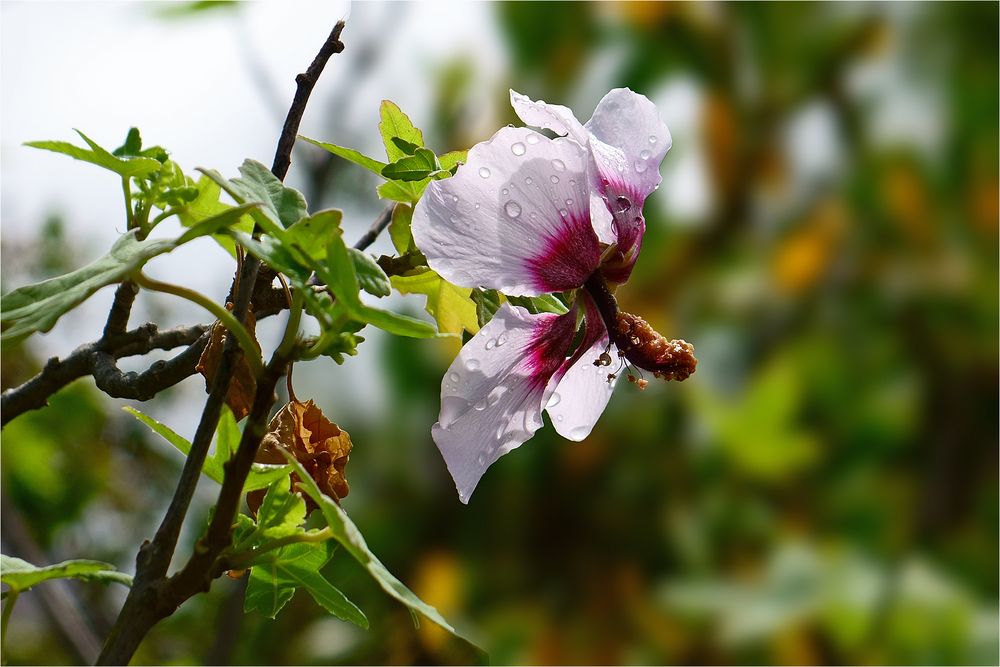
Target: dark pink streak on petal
(549,346)
(625,203)
(594,330)
(568,257)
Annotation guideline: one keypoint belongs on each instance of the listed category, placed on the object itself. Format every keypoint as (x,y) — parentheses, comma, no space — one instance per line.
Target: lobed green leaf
(21,575)
(345,532)
(371,164)
(38,307)
(394,123)
(371,277)
(126,167)
(261,475)
(275,578)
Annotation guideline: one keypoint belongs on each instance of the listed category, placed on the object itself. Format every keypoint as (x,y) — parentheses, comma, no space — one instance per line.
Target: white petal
(515,217)
(629,122)
(582,393)
(491,396)
(547,116)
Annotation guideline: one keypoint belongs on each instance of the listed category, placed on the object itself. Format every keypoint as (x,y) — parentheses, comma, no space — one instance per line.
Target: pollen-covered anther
(649,350)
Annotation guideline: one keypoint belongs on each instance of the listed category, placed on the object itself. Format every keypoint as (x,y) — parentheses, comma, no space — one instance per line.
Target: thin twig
(305,83)
(378,226)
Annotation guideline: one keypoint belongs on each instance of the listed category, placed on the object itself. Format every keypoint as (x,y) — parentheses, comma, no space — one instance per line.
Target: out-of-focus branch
(378,226)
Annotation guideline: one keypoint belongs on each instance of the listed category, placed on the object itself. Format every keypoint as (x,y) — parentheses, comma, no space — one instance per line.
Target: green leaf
(126,167)
(283,204)
(412,167)
(132,145)
(274,580)
(451,306)
(281,512)
(206,205)
(261,475)
(405,193)
(547,303)
(487,303)
(450,161)
(312,234)
(345,532)
(371,277)
(339,275)
(405,146)
(38,307)
(371,164)
(21,575)
(396,124)
(399,228)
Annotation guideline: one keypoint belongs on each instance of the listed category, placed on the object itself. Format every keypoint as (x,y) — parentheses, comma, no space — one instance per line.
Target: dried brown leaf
(242,387)
(315,441)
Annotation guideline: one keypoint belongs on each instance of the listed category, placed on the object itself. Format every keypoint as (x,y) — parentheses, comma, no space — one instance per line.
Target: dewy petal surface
(516,217)
(492,395)
(630,123)
(553,117)
(581,389)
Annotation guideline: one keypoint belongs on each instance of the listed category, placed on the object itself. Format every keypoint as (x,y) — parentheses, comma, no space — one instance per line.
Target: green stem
(245,559)
(163,216)
(243,337)
(324,339)
(292,326)
(127,191)
(8,607)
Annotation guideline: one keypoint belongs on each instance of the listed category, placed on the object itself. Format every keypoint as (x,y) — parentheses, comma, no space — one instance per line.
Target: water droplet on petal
(532,139)
(484,172)
(559,418)
(480,405)
(640,166)
(554,178)
(496,394)
(527,180)
(454,198)
(569,202)
(644,155)
(563,212)
(472,364)
(490,344)
(481,459)
(572,182)
(501,339)
(517,149)
(652,138)
(513,209)
(553,400)
(622,204)
(505,192)
(453,376)
(558,165)
(533,215)
(476,207)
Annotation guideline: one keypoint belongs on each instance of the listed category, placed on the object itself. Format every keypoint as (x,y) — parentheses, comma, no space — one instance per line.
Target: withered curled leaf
(242,387)
(315,441)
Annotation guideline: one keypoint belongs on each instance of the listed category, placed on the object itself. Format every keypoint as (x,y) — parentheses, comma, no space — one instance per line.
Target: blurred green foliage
(823,489)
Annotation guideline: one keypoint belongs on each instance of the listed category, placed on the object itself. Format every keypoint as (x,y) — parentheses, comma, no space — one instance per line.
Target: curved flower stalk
(526,216)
